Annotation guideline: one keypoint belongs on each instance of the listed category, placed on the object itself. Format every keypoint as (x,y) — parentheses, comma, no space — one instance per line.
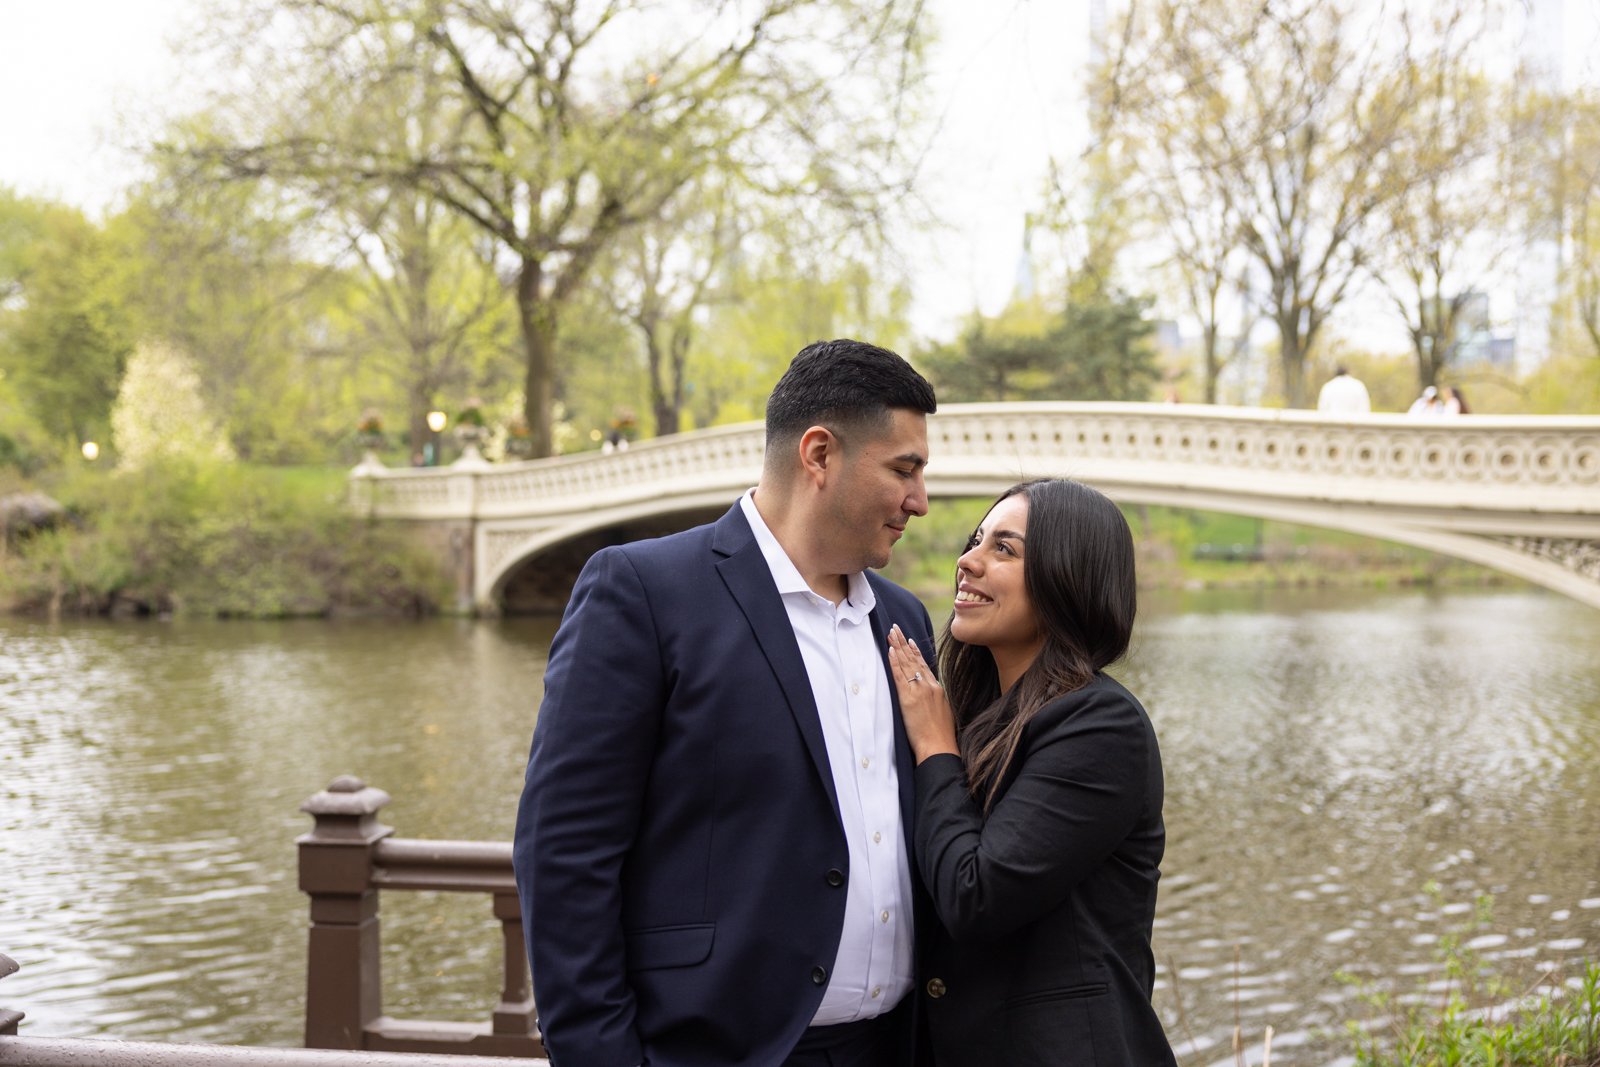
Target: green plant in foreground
(1481,1021)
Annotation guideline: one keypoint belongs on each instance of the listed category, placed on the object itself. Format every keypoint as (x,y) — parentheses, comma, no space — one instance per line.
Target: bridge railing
(346,861)
(1492,462)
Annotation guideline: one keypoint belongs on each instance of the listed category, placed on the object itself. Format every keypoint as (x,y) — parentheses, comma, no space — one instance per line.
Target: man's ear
(820,454)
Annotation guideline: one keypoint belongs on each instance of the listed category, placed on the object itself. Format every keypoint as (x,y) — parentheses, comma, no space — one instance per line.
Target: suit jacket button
(835,877)
(819,975)
(935,988)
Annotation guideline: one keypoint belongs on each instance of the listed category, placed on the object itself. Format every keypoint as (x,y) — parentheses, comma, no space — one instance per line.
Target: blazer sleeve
(580,810)
(1081,788)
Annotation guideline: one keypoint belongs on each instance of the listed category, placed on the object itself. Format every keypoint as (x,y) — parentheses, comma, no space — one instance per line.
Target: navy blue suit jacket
(678,847)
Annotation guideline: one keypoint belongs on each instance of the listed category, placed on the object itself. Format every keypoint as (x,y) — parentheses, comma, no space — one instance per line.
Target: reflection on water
(1327,756)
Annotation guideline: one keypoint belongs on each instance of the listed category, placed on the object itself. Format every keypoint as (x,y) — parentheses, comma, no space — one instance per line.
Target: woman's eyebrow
(1012,534)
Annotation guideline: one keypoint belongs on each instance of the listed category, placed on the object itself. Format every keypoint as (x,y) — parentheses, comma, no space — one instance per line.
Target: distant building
(1168,340)
(1023,286)
(1475,344)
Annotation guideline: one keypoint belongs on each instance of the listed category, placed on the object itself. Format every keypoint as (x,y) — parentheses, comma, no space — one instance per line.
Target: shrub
(222,540)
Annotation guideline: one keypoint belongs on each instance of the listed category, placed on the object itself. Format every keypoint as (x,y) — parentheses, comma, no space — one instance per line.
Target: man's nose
(916,502)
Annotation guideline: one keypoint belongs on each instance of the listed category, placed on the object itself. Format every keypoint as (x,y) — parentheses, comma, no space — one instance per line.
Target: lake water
(1347,774)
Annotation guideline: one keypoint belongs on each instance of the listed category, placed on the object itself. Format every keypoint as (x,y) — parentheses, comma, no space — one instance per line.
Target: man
(711,848)
(1344,394)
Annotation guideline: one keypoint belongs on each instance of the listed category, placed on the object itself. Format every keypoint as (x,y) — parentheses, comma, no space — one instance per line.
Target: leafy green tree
(436,319)
(1453,223)
(1300,113)
(571,121)
(789,299)
(1094,349)
(663,276)
(66,334)
(1104,350)
(160,413)
(1008,357)
(223,273)
(1580,179)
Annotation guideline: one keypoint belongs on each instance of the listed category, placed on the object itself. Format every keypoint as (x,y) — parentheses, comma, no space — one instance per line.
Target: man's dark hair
(844,385)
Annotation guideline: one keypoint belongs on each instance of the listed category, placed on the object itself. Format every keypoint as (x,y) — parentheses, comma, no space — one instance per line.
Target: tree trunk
(1292,359)
(678,352)
(1211,368)
(537,318)
(661,406)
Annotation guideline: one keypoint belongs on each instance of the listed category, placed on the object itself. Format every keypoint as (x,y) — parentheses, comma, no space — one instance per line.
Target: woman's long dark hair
(1078,574)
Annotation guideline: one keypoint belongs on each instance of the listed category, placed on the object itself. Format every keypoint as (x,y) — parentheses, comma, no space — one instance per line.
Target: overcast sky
(1008,75)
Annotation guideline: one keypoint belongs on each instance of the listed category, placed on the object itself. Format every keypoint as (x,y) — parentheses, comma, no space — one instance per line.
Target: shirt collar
(859,597)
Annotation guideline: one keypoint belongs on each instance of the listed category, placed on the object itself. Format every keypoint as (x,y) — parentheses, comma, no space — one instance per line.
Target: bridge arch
(1517,494)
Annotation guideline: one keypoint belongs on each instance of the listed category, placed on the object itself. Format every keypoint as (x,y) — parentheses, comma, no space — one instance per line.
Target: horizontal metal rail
(346,861)
(79,1052)
(451,866)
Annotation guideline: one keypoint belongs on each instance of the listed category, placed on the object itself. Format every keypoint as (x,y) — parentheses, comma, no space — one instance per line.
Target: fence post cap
(8,965)
(345,813)
(346,795)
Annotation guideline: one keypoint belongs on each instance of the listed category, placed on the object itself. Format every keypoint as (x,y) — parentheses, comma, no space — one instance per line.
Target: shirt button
(935,986)
(835,877)
(818,976)
(884,917)
(865,762)
(876,837)
(877,989)
(855,688)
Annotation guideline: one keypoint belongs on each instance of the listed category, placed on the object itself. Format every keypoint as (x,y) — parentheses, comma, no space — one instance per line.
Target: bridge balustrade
(346,861)
(1517,493)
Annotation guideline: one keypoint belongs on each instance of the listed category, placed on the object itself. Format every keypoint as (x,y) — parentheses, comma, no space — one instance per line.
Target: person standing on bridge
(1344,394)
(712,848)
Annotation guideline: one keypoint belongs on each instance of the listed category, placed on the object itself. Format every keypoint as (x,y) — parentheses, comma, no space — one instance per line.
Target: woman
(1038,797)
(1455,402)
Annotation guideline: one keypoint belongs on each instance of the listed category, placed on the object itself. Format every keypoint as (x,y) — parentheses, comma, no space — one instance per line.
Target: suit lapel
(744,570)
(905,768)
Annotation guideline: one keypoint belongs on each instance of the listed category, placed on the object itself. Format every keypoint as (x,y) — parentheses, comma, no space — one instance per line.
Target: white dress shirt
(872,969)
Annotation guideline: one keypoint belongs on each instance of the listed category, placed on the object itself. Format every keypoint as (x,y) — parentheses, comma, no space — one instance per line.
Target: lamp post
(436,421)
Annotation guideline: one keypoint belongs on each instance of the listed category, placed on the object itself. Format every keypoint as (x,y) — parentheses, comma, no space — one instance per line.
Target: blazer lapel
(905,768)
(744,570)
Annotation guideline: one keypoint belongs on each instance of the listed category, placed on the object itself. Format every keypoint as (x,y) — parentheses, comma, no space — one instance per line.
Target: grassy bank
(1180,549)
(224,540)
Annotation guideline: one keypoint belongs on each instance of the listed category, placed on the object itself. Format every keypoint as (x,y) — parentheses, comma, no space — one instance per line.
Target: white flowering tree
(159,412)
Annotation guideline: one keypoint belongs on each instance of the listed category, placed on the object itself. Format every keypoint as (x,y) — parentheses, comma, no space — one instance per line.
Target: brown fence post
(344,988)
(8,1019)
(514,1015)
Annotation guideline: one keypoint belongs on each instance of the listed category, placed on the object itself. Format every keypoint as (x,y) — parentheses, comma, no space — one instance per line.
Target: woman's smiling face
(992,608)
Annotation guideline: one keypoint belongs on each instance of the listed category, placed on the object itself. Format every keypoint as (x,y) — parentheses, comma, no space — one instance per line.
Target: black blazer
(1043,952)
(678,848)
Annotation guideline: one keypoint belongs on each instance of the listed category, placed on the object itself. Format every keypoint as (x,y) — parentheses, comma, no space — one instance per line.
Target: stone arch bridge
(1520,494)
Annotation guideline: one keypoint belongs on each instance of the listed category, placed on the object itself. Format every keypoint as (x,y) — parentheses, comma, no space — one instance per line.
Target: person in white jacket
(1343,394)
